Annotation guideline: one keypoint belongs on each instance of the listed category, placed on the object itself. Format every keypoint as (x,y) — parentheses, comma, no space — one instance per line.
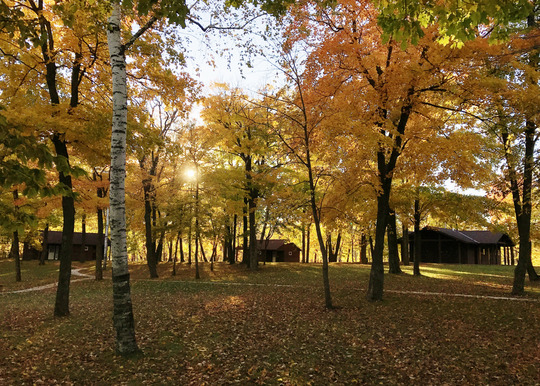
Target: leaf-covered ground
(270,327)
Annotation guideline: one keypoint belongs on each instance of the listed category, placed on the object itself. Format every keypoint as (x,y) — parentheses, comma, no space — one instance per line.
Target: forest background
(299,156)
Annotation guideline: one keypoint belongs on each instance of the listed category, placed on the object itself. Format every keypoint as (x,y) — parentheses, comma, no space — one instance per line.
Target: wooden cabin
(441,245)
(80,253)
(278,250)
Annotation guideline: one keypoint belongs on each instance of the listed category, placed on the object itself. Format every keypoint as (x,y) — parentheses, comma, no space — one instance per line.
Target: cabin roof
(274,245)
(55,237)
(475,236)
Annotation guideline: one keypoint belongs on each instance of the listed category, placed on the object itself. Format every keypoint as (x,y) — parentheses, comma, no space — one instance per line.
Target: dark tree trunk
(233,258)
(190,249)
(15,251)
(523,206)
(253,258)
(405,246)
(371,247)
(391,234)
(376,277)
(245,239)
(61,307)
(363,249)
(181,246)
(417,238)
(99,247)
(82,255)
(303,242)
(333,252)
(159,249)
(308,241)
(197,230)
(151,258)
(45,249)
(203,254)
(317,220)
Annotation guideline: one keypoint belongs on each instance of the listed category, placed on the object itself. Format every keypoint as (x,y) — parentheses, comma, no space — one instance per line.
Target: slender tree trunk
(303,242)
(245,239)
(391,234)
(182,258)
(61,306)
(197,230)
(82,255)
(16,254)
(190,236)
(151,258)
(376,277)
(405,245)
(253,258)
(106,239)
(316,219)
(159,249)
(122,307)
(45,249)
(363,249)
(235,223)
(203,254)
(99,247)
(15,250)
(417,238)
(308,241)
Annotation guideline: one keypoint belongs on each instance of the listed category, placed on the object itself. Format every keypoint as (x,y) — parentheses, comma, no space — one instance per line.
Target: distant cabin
(55,241)
(278,250)
(441,245)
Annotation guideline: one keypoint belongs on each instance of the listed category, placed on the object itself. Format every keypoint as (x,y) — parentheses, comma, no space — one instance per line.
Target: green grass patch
(270,327)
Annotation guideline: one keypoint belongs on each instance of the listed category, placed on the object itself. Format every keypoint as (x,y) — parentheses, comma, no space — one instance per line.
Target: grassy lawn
(270,327)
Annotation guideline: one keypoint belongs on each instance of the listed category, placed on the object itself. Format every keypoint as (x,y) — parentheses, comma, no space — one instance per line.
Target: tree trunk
(190,236)
(363,249)
(197,230)
(203,254)
(405,245)
(376,276)
(316,218)
(151,258)
(82,255)
(122,307)
(303,242)
(308,241)
(45,249)
(61,306)
(245,238)
(15,250)
(417,239)
(233,258)
(99,247)
(181,242)
(391,234)
(106,239)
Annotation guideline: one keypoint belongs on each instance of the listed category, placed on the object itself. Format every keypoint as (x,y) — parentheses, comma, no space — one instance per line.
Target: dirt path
(83,276)
(74,272)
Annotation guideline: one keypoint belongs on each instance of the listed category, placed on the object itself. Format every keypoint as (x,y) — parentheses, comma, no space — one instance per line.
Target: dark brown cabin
(278,250)
(441,245)
(55,241)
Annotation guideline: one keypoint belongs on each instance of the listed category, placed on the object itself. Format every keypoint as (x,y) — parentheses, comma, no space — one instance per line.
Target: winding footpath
(74,272)
(84,276)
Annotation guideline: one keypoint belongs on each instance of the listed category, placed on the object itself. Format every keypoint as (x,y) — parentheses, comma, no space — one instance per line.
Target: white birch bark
(123,311)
